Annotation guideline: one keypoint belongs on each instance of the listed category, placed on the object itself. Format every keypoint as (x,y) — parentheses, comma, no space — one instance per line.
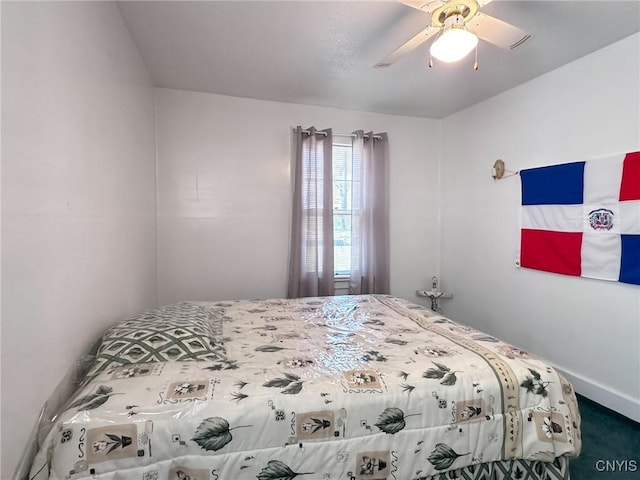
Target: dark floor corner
(610,445)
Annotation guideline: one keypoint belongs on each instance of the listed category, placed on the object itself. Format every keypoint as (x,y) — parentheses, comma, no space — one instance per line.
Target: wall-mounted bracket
(498,170)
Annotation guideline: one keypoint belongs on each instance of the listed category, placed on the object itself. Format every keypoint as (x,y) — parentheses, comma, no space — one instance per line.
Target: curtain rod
(352,135)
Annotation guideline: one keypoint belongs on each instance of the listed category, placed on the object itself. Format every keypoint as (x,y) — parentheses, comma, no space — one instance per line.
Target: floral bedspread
(334,388)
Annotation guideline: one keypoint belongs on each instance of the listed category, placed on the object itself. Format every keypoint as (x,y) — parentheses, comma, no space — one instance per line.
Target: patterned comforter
(334,388)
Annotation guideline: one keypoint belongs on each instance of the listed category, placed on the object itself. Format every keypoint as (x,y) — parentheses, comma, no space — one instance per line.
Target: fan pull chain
(430,61)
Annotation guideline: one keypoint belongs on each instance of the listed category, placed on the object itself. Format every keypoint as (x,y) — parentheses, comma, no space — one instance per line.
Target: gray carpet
(610,445)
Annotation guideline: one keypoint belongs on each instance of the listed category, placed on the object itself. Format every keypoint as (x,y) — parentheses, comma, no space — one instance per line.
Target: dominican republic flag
(583,218)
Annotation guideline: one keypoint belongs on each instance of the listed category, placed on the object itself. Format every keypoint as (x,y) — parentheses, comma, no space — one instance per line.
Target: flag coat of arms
(583,218)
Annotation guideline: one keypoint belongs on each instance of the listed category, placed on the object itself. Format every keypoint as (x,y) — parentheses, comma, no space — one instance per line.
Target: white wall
(224,193)
(590,329)
(78,195)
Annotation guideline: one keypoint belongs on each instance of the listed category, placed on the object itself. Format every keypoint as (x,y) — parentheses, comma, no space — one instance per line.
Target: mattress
(350,388)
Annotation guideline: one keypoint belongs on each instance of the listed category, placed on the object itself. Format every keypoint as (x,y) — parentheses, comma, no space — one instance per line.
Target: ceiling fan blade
(496,31)
(430,5)
(424,5)
(416,40)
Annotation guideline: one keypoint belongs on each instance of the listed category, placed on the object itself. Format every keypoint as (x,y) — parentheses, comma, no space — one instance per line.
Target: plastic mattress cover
(352,388)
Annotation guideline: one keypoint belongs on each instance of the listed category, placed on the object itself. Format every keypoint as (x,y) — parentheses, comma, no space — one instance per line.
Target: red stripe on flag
(630,185)
(557,252)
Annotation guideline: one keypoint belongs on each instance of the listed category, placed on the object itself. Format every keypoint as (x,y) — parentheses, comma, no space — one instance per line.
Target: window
(342,188)
(358,216)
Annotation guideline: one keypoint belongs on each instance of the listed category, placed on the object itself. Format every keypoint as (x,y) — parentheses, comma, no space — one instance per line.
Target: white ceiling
(323,52)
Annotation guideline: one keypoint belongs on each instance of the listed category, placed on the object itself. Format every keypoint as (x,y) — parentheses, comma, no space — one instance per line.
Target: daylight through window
(342,190)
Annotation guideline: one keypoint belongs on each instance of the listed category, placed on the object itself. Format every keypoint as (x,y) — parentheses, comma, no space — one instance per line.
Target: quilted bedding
(349,388)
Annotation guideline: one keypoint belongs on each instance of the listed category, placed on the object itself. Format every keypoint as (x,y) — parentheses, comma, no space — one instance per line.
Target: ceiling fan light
(454,44)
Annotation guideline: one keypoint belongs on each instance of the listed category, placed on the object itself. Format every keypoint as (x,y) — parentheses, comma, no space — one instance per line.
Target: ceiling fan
(459,21)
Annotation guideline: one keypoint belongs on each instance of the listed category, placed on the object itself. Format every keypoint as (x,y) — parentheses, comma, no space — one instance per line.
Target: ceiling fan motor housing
(465,9)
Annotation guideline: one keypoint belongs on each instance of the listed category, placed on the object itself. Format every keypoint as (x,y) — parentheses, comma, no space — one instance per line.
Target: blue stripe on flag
(630,261)
(553,185)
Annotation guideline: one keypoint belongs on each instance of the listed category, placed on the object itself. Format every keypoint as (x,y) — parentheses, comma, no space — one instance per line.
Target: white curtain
(311,271)
(370,214)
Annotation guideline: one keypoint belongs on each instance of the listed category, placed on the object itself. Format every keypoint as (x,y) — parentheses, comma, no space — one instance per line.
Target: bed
(332,388)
